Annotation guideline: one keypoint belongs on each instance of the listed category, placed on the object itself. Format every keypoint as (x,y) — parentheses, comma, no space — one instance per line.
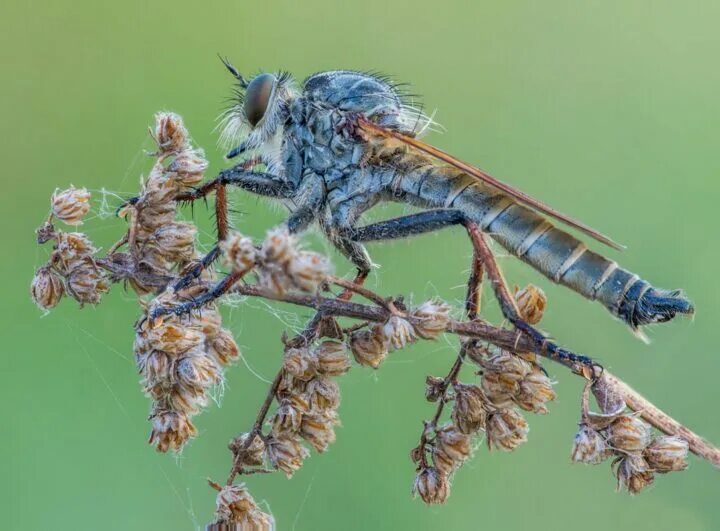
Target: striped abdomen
(532,238)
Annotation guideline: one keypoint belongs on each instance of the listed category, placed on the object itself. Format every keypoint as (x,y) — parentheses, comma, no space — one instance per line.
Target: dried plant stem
(512,340)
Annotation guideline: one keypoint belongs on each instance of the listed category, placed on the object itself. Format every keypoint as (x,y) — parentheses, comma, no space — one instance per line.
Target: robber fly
(344,141)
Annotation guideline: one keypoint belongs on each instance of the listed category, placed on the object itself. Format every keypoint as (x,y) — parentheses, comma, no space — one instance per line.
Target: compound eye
(257,97)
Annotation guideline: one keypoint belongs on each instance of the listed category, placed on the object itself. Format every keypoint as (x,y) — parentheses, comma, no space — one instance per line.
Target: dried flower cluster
(182,349)
(638,453)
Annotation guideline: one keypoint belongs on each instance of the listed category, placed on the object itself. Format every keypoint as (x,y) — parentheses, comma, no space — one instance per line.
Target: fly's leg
(432,220)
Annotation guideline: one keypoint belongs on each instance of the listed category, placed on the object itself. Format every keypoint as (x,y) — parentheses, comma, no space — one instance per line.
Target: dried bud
(531,302)
(308,270)
(317,428)
(369,347)
(74,249)
(175,241)
(398,332)
(239,252)
(197,370)
(170,430)
(434,388)
(300,363)
(273,277)
(506,429)
(278,247)
(233,504)
(47,288)
(503,372)
(633,474)
(71,205)
(667,454)
(170,133)
(629,433)
(469,413)
(188,167)
(248,453)
(433,318)
(589,447)
(332,359)
(452,447)
(223,348)
(168,337)
(323,394)
(289,415)
(535,391)
(87,284)
(432,486)
(286,454)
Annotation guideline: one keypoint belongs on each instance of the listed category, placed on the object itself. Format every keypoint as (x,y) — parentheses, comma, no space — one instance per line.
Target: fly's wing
(516,194)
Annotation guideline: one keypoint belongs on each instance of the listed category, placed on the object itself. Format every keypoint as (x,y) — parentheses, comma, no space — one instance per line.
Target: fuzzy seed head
(170,133)
(452,448)
(188,167)
(308,270)
(248,453)
(318,430)
(289,415)
(73,249)
(323,394)
(531,302)
(629,433)
(170,430)
(432,486)
(71,205)
(469,414)
(170,337)
(432,317)
(506,429)
(301,363)
(198,371)
(285,453)
(332,358)
(534,391)
(633,473)
(398,332)
(239,252)
(667,454)
(47,288)
(369,347)
(589,447)
(174,241)
(434,388)
(236,509)
(87,284)
(223,348)
(278,247)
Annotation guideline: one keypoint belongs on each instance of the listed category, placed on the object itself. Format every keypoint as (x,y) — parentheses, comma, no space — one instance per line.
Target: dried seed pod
(369,347)
(589,447)
(452,448)
(170,133)
(223,348)
(285,453)
(308,270)
(531,302)
(170,430)
(239,251)
(633,473)
(197,370)
(432,486)
(278,247)
(534,391)
(188,167)
(87,284)
(73,250)
(398,332)
(233,503)
(289,415)
(174,241)
(47,288)
(317,428)
(332,359)
(432,317)
(323,394)
(301,363)
(667,454)
(274,278)
(251,453)
(71,205)
(434,388)
(469,413)
(506,429)
(169,337)
(157,369)
(629,433)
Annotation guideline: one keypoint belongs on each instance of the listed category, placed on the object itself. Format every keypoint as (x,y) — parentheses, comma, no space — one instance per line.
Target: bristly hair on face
(234,125)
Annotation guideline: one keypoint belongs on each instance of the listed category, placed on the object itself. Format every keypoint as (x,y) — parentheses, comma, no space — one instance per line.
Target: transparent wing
(520,196)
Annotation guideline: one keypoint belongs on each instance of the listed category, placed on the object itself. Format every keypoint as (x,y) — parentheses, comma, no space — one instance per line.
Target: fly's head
(258,109)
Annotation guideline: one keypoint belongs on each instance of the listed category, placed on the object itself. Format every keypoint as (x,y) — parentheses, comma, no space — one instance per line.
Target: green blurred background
(605,109)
